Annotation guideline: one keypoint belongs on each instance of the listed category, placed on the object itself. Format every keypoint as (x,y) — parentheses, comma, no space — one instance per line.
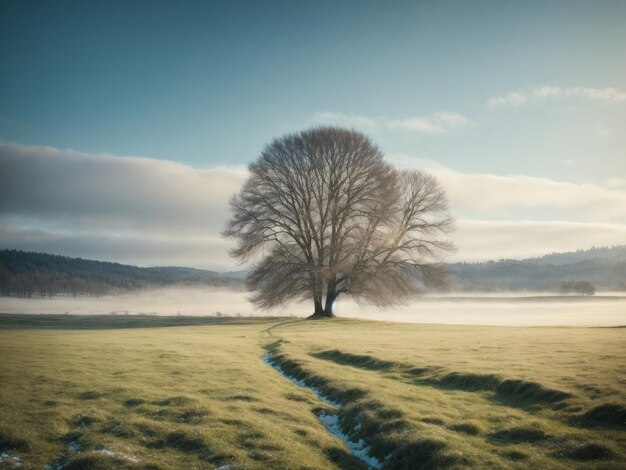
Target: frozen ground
(527,310)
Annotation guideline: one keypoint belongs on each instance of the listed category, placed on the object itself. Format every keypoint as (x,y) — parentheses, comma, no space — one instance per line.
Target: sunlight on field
(201,396)
(600,310)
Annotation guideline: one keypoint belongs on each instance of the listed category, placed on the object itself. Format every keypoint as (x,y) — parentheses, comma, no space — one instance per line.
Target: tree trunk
(321,312)
(328,307)
(318,307)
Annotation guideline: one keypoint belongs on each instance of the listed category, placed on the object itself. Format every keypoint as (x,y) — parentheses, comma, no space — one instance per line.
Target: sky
(126,126)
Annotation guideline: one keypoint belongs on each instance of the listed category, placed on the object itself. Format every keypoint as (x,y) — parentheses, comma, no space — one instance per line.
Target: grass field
(140,392)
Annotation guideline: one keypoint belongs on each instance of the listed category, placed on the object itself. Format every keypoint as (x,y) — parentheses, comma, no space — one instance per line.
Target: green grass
(128,392)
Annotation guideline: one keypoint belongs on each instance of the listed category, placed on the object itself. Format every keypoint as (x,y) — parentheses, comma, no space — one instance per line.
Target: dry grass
(200,396)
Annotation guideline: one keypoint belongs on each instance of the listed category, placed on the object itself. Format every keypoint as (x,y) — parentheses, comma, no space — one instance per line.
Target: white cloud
(417,125)
(438,123)
(616,183)
(512,98)
(142,248)
(539,94)
(486,195)
(480,240)
(128,209)
(76,190)
(346,120)
(155,212)
(602,131)
(450,119)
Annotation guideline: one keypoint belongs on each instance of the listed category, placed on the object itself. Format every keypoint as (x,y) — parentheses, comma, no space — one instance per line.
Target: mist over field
(491,309)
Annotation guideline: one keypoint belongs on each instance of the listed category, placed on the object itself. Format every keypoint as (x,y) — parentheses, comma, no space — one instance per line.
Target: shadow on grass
(519,434)
(344,459)
(190,442)
(11,441)
(511,392)
(424,453)
(589,452)
(355,360)
(89,395)
(608,415)
(100,461)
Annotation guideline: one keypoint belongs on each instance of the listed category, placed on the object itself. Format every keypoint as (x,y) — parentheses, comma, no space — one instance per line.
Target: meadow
(145,392)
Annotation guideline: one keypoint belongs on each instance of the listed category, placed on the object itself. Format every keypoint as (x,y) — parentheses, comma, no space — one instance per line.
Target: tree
(322,214)
(577,287)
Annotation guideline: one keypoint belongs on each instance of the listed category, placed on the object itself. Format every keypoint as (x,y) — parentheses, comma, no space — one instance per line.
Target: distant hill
(605,268)
(601,254)
(29,274)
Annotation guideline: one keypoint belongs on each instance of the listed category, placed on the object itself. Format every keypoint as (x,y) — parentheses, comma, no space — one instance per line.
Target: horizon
(126,147)
(234,271)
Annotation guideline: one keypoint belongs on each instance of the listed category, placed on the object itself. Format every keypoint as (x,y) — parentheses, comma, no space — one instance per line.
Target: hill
(29,274)
(605,268)
(26,274)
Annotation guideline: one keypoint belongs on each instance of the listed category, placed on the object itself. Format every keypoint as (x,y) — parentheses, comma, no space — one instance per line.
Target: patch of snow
(107,452)
(331,421)
(56,465)
(359,448)
(74,447)
(6,457)
(110,453)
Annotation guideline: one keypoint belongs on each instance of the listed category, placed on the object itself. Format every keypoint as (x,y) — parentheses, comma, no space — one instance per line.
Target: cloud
(346,120)
(616,183)
(76,190)
(138,248)
(540,94)
(155,212)
(496,196)
(127,209)
(476,240)
(480,240)
(438,123)
(601,130)
(417,125)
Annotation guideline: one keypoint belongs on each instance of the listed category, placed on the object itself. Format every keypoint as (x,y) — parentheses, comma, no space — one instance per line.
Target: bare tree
(322,214)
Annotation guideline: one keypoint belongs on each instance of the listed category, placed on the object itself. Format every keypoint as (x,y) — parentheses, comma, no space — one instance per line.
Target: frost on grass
(5,457)
(74,447)
(75,450)
(110,453)
(331,420)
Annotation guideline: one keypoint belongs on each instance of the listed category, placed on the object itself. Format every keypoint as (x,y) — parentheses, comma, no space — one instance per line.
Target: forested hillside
(605,268)
(27,274)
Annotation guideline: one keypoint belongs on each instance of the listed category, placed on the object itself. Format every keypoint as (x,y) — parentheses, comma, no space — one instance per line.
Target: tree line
(29,274)
(577,287)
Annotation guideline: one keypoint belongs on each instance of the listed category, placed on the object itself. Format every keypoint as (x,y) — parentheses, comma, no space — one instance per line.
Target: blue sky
(503,89)
(210,83)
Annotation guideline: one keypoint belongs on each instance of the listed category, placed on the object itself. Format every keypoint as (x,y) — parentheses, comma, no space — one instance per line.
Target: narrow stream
(331,421)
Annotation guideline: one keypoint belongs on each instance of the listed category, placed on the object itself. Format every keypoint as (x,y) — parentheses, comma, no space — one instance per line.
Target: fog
(600,310)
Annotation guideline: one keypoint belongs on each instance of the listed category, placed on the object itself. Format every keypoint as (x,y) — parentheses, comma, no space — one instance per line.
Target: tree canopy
(322,214)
